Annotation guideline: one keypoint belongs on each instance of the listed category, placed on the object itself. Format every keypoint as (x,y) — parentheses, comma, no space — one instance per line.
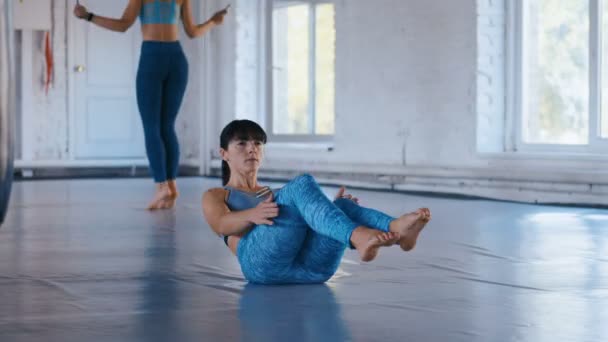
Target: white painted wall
(403,80)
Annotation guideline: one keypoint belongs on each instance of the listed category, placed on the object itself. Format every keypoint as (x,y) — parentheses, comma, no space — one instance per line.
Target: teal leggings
(162,77)
(308,238)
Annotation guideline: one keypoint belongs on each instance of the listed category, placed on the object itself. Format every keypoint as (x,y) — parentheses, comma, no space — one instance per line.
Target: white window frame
(267,77)
(516,96)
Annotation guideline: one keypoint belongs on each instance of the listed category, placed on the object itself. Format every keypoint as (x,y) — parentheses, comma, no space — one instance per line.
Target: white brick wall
(247,59)
(49,115)
(188,120)
(491,75)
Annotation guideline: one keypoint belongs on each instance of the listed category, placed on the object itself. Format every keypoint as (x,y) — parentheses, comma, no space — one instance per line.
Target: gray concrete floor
(80,260)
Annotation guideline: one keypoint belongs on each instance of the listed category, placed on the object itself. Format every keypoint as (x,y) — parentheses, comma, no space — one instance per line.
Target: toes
(153,205)
(384,237)
(425,214)
(159,204)
(388,238)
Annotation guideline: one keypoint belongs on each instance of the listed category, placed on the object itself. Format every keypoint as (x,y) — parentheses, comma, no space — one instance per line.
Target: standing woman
(162,77)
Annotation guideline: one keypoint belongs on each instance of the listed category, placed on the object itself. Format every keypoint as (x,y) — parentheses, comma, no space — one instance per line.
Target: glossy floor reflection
(81,261)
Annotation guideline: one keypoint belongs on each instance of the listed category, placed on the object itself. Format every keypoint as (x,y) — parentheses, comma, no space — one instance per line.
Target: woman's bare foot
(409,227)
(168,203)
(173,195)
(367,241)
(162,195)
(173,188)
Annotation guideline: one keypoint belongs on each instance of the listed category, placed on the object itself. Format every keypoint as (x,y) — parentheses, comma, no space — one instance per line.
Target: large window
(561,80)
(302,84)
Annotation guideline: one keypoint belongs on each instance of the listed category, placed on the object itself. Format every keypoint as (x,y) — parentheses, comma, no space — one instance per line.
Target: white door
(105,119)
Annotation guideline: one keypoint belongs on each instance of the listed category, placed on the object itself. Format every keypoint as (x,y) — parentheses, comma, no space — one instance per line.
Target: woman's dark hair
(239,130)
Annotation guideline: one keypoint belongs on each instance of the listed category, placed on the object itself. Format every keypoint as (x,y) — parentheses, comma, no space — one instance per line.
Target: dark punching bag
(7,100)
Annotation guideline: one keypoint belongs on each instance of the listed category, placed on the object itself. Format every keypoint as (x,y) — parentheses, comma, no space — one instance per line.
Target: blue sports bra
(159,12)
(238,200)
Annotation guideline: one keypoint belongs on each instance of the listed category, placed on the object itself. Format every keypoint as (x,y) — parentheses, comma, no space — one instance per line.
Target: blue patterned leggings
(308,238)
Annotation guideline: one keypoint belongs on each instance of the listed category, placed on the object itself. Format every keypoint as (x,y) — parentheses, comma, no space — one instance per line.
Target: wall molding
(530,184)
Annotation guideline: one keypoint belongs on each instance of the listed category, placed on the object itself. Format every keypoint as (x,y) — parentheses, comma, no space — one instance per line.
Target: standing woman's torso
(159,19)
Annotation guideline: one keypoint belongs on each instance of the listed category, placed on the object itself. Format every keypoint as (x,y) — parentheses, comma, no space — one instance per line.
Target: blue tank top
(238,200)
(159,12)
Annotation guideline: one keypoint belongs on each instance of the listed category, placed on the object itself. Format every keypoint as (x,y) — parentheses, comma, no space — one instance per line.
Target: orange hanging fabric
(48,56)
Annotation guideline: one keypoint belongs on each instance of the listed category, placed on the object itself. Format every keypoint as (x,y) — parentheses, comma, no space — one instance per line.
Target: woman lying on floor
(294,234)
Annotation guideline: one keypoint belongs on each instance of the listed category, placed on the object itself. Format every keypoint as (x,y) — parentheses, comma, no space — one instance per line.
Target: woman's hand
(218,17)
(341,194)
(80,11)
(264,212)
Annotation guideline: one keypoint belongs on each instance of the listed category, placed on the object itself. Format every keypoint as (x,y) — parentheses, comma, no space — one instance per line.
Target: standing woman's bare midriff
(160,32)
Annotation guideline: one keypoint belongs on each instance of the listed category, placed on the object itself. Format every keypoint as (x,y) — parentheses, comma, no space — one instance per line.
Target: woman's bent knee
(304,178)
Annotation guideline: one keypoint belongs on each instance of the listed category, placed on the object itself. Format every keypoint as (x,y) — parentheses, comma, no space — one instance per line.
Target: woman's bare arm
(220,218)
(226,222)
(119,25)
(193,30)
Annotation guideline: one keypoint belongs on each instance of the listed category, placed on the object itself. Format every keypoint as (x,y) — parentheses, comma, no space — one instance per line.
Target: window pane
(290,56)
(604,111)
(556,81)
(325,69)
